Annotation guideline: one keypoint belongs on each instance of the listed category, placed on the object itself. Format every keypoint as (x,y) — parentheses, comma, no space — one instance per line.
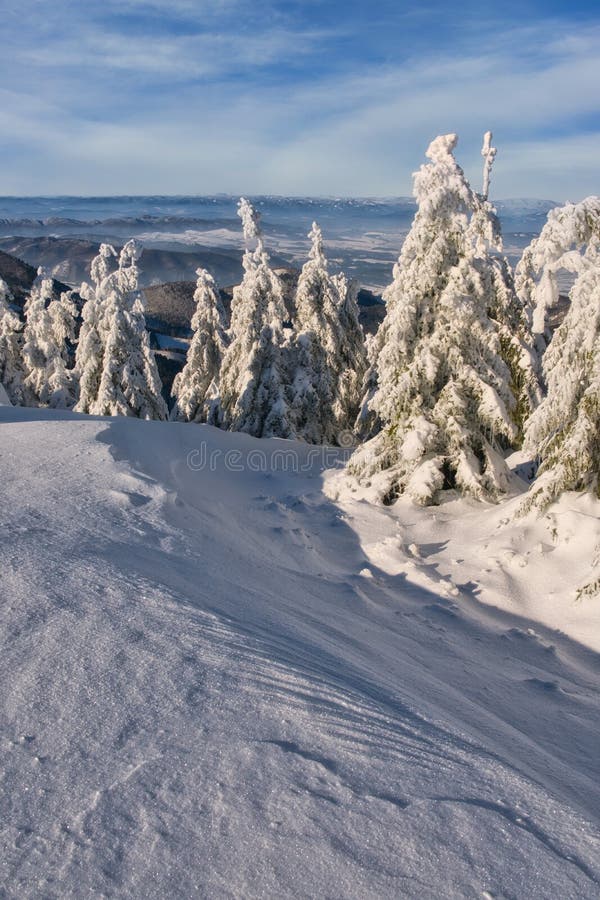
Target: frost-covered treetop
(440,187)
(440,149)
(42,290)
(101,264)
(568,228)
(128,273)
(250,221)
(43,273)
(255,256)
(436,241)
(204,283)
(316,248)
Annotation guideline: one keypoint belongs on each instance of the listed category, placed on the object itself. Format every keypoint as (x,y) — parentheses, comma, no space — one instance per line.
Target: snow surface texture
(214,685)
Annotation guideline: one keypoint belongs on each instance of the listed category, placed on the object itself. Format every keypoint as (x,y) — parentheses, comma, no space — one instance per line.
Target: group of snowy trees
(271,371)
(275,372)
(462,370)
(34,364)
(111,372)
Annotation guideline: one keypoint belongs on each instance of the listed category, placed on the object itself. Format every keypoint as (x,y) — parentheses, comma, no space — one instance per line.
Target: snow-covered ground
(536,566)
(218,681)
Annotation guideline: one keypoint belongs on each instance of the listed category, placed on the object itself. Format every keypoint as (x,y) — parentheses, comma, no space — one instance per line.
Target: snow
(4,401)
(531,566)
(217,681)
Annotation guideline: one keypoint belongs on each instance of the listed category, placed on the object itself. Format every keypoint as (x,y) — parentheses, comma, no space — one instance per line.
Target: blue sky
(312,97)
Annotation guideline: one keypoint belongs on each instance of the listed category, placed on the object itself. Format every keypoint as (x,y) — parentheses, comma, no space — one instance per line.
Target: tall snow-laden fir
(564,431)
(196,387)
(11,346)
(89,357)
(49,328)
(441,404)
(353,352)
(253,378)
(129,382)
(322,354)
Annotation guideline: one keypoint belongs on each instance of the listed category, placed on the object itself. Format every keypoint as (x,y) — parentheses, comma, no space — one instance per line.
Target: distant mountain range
(69,260)
(362,236)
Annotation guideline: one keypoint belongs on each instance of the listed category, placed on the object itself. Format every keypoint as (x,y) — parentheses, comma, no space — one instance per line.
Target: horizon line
(235,195)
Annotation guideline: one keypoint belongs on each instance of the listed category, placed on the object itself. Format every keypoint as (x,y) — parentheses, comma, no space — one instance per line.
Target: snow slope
(202,696)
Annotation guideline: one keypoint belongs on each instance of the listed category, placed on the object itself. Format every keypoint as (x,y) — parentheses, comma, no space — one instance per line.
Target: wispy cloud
(180,57)
(227,95)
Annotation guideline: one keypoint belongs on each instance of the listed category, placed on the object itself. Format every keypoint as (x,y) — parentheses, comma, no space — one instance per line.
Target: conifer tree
(50,325)
(11,345)
(353,352)
(89,357)
(252,381)
(196,387)
(441,405)
(129,383)
(321,353)
(564,431)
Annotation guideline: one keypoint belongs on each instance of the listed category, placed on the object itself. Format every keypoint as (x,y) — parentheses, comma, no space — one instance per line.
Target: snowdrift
(213,686)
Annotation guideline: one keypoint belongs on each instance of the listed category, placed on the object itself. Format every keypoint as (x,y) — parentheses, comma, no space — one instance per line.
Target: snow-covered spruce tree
(441,402)
(12,372)
(129,382)
(89,357)
(252,380)
(564,431)
(196,387)
(567,232)
(320,354)
(49,326)
(353,351)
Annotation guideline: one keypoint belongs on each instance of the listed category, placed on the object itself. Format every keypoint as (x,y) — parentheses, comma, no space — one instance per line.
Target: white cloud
(183,57)
(359,132)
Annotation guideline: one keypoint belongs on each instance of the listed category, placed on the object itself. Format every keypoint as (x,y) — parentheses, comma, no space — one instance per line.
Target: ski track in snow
(203,697)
